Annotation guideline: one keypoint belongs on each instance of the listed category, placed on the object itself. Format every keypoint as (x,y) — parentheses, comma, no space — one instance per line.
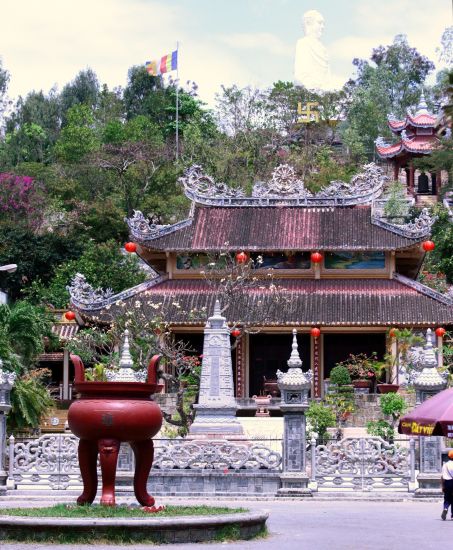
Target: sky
(44,43)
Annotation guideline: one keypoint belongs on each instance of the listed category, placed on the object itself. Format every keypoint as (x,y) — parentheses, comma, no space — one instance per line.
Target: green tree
(22,330)
(83,90)
(441,258)
(32,128)
(78,137)
(389,82)
(35,255)
(103,264)
(4,80)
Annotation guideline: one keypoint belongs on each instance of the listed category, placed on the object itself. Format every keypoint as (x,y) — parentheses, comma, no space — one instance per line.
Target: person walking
(447,486)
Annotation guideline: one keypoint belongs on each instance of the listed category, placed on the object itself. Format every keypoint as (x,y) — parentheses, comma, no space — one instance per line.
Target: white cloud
(260,41)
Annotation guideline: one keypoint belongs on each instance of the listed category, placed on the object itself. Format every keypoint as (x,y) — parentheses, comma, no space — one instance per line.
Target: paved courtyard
(323,524)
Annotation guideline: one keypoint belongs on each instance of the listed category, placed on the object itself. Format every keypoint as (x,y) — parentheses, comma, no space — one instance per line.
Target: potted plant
(341,394)
(392,364)
(362,370)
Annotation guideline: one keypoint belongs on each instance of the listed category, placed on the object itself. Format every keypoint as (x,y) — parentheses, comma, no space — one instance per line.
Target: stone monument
(216,407)
(294,386)
(426,384)
(311,66)
(6,384)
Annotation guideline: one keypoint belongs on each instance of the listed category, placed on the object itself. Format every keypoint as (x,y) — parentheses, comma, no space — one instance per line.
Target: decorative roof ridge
(86,298)
(284,189)
(417,229)
(143,229)
(426,290)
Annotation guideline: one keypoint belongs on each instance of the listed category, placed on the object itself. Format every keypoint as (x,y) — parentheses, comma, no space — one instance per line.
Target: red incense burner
(106,414)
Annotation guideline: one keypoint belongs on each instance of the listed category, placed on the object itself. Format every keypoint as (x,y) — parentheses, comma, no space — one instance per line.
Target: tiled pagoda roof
(418,144)
(422,120)
(279,228)
(326,302)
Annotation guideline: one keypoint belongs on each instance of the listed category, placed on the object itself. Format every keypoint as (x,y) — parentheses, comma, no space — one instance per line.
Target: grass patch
(97,511)
(117,534)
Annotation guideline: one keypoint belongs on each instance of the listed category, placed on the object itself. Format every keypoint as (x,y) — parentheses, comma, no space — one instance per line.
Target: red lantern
(315,332)
(440,331)
(316,257)
(130,247)
(428,246)
(70,315)
(241,257)
(392,333)
(235,332)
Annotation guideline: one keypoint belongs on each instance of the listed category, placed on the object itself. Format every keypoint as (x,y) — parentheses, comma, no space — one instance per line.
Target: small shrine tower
(417,137)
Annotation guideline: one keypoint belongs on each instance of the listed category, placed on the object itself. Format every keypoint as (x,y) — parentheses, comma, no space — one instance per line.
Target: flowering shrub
(21,196)
(361,366)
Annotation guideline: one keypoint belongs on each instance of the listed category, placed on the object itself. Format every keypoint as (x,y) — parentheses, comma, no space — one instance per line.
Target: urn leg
(108,454)
(88,454)
(144,455)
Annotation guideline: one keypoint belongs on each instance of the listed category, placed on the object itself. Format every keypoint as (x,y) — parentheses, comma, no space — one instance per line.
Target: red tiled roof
(325,302)
(397,125)
(423,120)
(419,144)
(280,228)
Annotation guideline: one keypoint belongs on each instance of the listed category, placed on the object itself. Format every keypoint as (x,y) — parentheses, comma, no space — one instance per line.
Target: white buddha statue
(311,67)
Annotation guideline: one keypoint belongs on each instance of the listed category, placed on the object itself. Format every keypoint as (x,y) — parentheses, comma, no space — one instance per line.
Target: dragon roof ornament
(142,229)
(285,189)
(83,294)
(139,225)
(416,229)
(380,142)
(85,298)
(199,184)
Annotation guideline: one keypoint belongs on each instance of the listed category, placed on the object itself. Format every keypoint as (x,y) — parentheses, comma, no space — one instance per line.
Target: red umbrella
(432,417)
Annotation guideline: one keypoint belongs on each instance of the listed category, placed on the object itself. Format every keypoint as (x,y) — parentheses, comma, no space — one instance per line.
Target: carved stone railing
(285,189)
(363,464)
(216,456)
(85,298)
(446,299)
(51,461)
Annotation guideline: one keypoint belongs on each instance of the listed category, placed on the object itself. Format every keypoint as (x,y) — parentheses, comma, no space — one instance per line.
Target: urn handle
(152,369)
(79,369)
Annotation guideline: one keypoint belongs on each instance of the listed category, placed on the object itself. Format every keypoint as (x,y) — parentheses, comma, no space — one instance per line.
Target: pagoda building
(341,269)
(416,138)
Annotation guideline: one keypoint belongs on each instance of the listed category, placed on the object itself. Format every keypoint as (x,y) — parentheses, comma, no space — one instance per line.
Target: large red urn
(106,414)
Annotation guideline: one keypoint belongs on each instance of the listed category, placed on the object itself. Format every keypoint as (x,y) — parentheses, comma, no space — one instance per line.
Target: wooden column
(240,366)
(394,351)
(66,374)
(411,179)
(396,170)
(440,352)
(316,345)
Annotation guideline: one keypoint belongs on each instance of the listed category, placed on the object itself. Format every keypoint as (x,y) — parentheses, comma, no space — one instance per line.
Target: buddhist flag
(163,65)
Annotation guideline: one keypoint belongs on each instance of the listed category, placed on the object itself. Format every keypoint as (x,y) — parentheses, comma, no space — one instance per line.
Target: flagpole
(177,101)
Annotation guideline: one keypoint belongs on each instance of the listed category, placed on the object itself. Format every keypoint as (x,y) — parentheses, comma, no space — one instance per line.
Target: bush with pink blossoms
(21,198)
